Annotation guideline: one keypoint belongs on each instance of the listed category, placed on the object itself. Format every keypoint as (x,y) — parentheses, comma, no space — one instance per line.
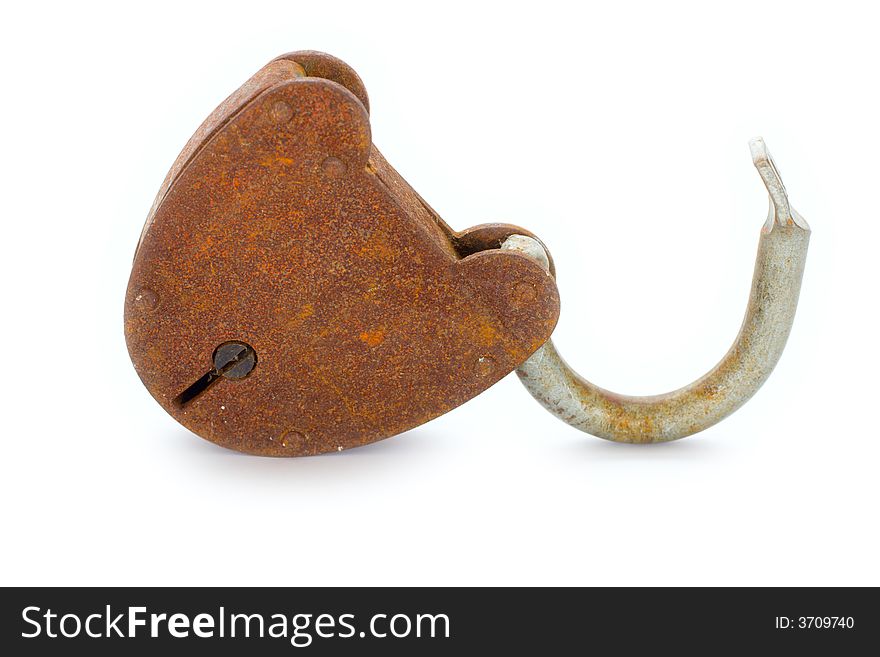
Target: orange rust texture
(283,227)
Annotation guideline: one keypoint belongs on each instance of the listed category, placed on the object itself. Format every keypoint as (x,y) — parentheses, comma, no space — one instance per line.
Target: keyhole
(232,360)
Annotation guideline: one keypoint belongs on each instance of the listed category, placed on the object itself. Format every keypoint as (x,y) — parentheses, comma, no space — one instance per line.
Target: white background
(618,133)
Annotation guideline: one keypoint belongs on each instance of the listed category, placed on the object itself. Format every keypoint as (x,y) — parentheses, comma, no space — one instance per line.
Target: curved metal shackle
(779,267)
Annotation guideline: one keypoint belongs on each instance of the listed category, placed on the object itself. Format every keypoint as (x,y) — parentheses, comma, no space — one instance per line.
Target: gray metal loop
(779,268)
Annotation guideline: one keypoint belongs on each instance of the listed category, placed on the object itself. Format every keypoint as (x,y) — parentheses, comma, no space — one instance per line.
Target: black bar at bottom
(435,621)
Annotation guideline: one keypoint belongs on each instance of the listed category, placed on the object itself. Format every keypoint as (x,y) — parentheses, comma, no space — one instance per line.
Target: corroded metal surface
(782,254)
(291,294)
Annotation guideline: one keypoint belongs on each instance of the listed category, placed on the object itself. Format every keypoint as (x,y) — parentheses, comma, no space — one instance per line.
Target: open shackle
(776,284)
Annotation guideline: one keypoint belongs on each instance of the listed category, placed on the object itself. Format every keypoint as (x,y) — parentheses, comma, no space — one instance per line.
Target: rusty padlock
(291,294)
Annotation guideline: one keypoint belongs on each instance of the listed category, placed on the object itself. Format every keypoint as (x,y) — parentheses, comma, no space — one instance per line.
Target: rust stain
(487,332)
(235,251)
(275,160)
(373,338)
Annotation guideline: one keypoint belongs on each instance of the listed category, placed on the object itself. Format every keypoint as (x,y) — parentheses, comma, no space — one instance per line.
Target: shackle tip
(763,161)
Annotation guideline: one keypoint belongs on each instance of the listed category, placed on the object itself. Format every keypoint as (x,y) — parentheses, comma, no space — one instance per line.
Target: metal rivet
(524,294)
(333,167)
(292,438)
(146,298)
(485,365)
(280,112)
